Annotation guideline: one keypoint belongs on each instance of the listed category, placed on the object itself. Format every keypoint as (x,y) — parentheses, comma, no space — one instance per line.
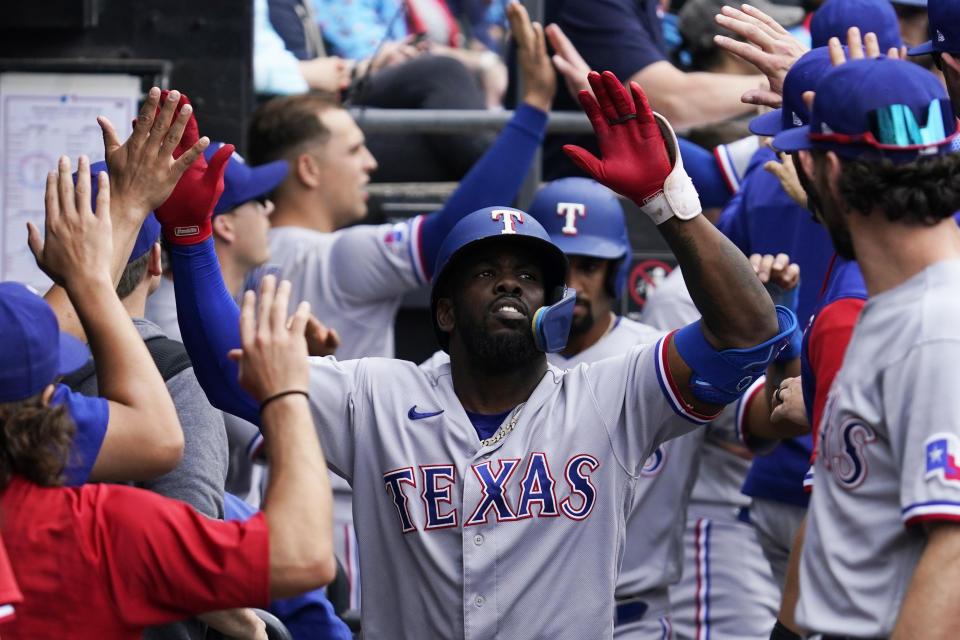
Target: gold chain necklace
(503,431)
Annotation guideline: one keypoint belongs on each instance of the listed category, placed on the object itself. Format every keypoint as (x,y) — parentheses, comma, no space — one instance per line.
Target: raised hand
(186,213)
(786,173)
(768,47)
(568,60)
(539,80)
(776,270)
(274,355)
(144,169)
(866,47)
(77,243)
(635,161)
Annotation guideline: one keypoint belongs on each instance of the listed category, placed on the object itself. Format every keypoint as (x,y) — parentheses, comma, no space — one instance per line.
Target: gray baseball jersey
(727,590)
(887,458)
(354,278)
(653,553)
(489,539)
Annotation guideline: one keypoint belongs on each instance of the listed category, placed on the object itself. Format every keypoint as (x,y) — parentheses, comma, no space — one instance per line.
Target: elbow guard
(719,377)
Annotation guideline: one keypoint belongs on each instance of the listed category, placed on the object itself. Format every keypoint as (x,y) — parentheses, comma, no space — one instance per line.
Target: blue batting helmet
(585,218)
(495,226)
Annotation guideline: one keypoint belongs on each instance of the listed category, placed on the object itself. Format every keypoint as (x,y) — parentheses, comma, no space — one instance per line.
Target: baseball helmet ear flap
(551,324)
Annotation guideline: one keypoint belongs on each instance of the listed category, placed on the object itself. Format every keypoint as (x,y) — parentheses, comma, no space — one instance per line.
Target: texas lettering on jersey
(536,491)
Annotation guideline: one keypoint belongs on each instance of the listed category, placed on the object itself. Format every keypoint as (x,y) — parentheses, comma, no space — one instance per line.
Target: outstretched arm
(209,321)
(736,311)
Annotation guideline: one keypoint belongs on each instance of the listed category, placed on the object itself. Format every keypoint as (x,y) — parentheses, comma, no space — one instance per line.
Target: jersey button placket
(479,548)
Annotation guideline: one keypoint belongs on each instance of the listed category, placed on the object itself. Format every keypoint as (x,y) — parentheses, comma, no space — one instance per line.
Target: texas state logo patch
(941,450)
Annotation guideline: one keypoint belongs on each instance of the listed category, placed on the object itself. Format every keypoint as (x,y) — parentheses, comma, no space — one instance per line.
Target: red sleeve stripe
(670,389)
(743,406)
(930,512)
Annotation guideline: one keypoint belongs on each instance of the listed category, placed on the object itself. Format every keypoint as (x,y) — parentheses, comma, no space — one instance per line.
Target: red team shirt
(9,590)
(829,338)
(105,561)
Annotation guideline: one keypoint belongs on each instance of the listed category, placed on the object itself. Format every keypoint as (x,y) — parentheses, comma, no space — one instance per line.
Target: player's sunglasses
(894,127)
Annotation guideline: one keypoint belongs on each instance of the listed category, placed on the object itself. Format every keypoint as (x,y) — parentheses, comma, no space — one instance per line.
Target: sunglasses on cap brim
(895,128)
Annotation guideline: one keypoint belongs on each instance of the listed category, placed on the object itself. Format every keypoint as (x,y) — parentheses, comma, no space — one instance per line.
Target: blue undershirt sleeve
(703,169)
(494,180)
(209,324)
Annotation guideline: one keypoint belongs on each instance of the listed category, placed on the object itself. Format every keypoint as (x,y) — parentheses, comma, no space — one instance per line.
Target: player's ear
(155,265)
(445,315)
(223,228)
(308,170)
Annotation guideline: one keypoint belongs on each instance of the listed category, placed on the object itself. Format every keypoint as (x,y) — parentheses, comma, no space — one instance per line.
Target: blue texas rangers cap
(835,17)
(149,230)
(876,109)
(585,218)
(944,17)
(242,183)
(33,350)
(803,76)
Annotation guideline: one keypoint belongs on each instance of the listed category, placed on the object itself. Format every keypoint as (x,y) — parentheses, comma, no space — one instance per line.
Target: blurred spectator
(282,69)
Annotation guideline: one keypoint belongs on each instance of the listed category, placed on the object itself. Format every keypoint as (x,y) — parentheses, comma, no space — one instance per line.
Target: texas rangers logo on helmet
(569,212)
(509,217)
(940,462)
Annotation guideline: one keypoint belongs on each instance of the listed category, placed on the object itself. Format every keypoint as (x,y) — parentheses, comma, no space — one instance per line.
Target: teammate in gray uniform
(727,589)
(479,525)
(881,530)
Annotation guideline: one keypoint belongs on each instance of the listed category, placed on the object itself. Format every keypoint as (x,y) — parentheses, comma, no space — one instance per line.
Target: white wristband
(678,196)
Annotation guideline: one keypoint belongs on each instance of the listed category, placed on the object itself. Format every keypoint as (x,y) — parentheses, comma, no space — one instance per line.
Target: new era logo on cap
(944,18)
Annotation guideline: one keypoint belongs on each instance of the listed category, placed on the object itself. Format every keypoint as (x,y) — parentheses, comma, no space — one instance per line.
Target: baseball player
(879,531)
(586,221)
(355,277)
(472,483)
(462,508)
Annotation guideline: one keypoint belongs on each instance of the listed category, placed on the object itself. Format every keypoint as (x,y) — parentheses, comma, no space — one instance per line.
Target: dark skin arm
(736,311)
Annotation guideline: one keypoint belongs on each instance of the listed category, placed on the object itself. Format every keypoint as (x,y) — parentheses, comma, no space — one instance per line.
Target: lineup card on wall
(44,116)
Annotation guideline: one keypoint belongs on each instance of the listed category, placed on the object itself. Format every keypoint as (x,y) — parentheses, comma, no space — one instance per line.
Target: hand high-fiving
(634,160)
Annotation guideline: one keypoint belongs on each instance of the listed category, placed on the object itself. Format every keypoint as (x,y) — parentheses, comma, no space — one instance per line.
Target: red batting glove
(635,162)
(186,214)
